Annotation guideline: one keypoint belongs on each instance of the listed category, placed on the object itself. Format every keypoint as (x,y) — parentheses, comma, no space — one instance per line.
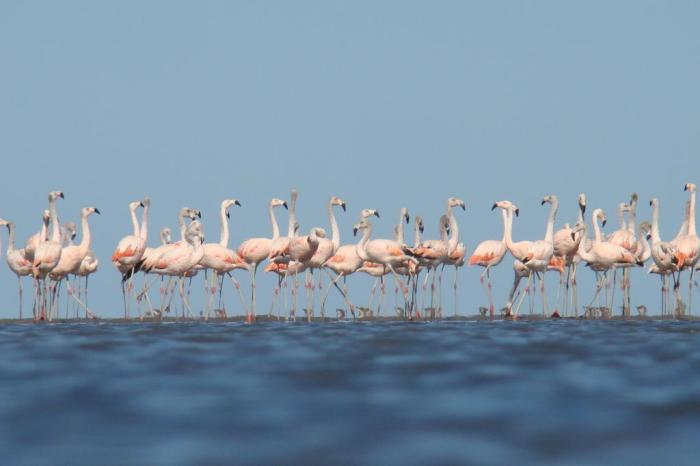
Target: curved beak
(408,219)
(463,206)
(228,215)
(650,203)
(685,188)
(648,236)
(97,211)
(517,212)
(354,231)
(284,204)
(344,207)
(583,209)
(376,213)
(61,195)
(421,228)
(199,214)
(543,201)
(237,202)
(604,222)
(141,204)
(573,235)
(493,207)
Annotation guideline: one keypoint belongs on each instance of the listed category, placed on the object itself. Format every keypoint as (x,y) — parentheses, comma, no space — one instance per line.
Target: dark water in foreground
(556,392)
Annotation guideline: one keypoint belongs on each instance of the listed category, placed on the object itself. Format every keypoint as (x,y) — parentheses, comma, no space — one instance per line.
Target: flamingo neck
(223,241)
(44,234)
(399,228)
(134,221)
(549,233)
(580,214)
(335,233)
(362,244)
(596,229)
(417,236)
(163,238)
(273,220)
(11,239)
(582,252)
(632,223)
(684,226)
(454,231)
(85,241)
(508,230)
(621,218)
(56,234)
(182,225)
(691,215)
(144,223)
(292,214)
(655,236)
(504,215)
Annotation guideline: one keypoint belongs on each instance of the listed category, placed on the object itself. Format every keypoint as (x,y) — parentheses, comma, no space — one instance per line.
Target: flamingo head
(600,215)
(53,195)
(654,202)
(367,213)
(645,228)
(135,205)
(690,187)
(146,202)
(582,202)
(319,232)
(507,206)
(194,233)
(419,223)
(89,211)
(403,215)
(278,202)
(633,200)
(551,199)
(456,202)
(339,202)
(165,235)
(46,216)
(362,225)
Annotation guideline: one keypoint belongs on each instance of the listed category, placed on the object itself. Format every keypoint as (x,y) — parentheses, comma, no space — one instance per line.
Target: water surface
(545,392)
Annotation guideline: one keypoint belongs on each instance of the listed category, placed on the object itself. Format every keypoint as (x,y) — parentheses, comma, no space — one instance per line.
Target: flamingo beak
(493,207)
(685,188)
(97,211)
(543,201)
(573,236)
(421,228)
(376,213)
(344,207)
(228,215)
(408,219)
(651,203)
(237,202)
(354,231)
(284,204)
(463,206)
(61,195)
(583,209)
(648,236)
(517,212)
(141,204)
(604,222)
(199,214)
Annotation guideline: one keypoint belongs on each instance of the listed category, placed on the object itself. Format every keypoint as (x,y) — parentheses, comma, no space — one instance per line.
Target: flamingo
(179,262)
(218,257)
(490,253)
(87,267)
(603,255)
(326,248)
(688,245)
(73,255)
(48,253)
(18,262)
(565,249)
(302,249)
(255,250)
(626,237)
(33,241)
(664,256)
(129,252)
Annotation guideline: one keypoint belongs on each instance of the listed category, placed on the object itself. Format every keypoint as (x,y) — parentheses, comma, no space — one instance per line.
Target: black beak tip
(97,211)
(408,219)
(493,207)
(238,203)
(284,204)
(344,207)
(62,196)
(141,204)
(604,222)
(685,188)
(228,215)
(199,214)
(648,237)
(573,236)
(650,203)
(542,203)
(517,212)
(376,214)
(354,232)
(464,207)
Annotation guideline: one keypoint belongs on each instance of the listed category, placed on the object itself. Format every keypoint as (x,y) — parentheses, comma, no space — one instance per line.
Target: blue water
(552,392)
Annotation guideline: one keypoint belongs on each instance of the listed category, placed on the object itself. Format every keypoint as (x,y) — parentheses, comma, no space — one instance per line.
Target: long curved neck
(443,233)
(144,223)
(454,230)
(582,252)
(691,215)
(632,223)
(400,230)
(655,236)
(11,239)
(273,220)
(580,215)
(335,233)
(135,222)
(549,232)
(181,224)
(417,236)
(85,241)
(596,229)
(223,241)
(508,233)
(291,227)
(44,234)
(56,234)
(360,248)
(621,218)
(504,214)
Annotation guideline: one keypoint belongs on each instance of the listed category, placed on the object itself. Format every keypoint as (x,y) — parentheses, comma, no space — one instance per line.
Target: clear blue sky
(385,104)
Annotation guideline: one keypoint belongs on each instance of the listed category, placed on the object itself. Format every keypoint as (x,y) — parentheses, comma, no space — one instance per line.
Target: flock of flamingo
(50,257)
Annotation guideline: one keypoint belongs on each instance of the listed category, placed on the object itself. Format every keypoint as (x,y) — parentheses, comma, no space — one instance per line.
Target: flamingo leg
(690,290)
(20,293)
(574,290)
(342,292)
(544,294)
(454,287)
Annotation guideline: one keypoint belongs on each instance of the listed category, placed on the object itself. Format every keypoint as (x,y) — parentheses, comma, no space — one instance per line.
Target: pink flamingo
(33,241)
(18,262)
(491,252)
(565,250)
(663,254)
(73,255)
(255,250)
(87,267)
(129,252)
(218,257)
(48,253)
(688,245)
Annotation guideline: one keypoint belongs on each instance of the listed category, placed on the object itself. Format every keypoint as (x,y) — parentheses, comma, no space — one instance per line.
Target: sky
(385,104)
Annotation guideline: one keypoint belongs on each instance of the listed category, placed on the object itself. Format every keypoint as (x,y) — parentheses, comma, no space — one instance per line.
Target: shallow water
(556,392)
